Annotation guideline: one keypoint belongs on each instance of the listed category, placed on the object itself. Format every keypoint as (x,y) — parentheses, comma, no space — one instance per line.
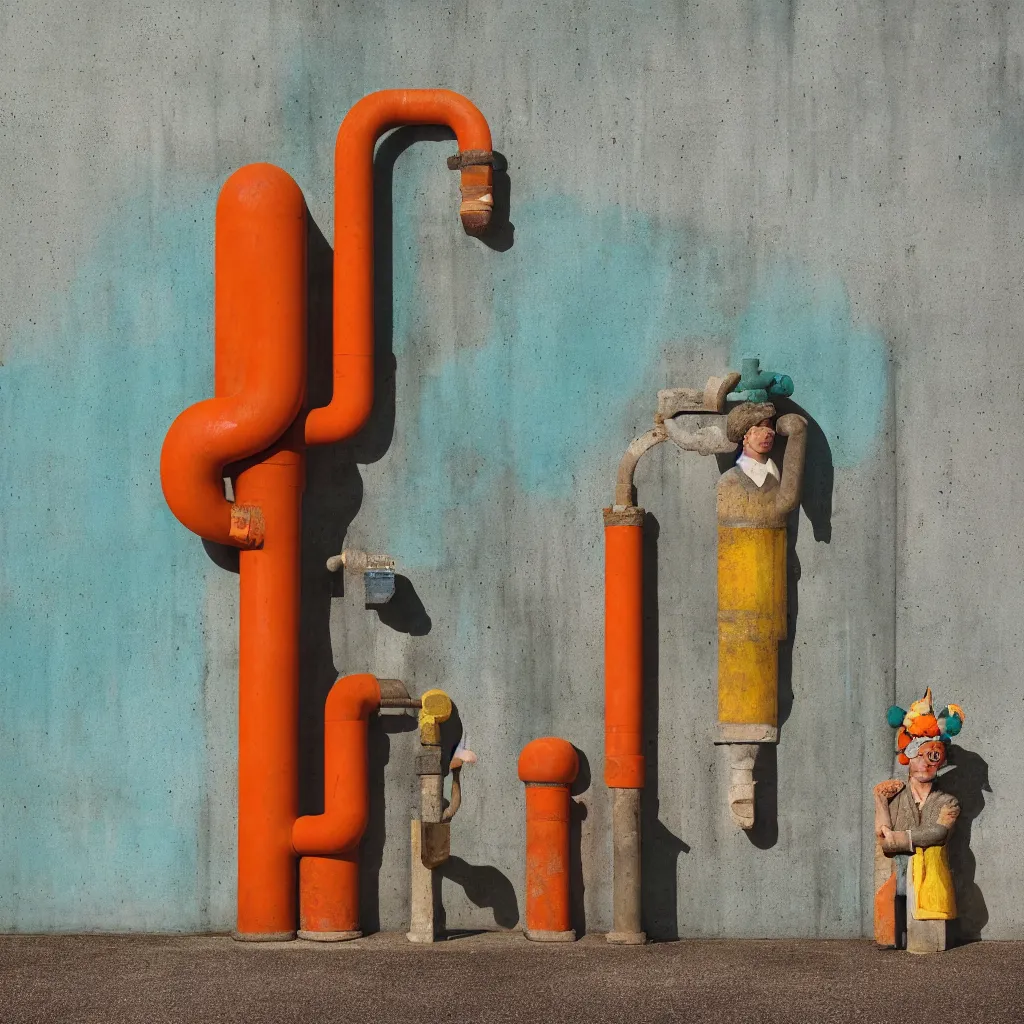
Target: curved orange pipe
(329,843)
(548,766)
(352,396)
(346,770)
(260,381)
(624,765)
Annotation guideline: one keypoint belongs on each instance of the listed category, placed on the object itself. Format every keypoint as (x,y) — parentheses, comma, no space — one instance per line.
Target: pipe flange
(329,936)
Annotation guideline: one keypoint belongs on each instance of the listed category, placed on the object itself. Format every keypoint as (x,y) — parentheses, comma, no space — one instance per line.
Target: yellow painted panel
(751,621)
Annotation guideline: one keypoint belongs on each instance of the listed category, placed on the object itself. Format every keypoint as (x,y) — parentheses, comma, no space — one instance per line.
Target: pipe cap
(550,760)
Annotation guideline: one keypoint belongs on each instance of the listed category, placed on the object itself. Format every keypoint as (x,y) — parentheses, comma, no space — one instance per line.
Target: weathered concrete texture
(837,189)
(493,978)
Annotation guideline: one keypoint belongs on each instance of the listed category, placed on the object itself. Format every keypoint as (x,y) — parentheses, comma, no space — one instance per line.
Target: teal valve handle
(757,385)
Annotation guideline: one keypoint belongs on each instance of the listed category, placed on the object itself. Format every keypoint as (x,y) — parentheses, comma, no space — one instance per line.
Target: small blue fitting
(379,586)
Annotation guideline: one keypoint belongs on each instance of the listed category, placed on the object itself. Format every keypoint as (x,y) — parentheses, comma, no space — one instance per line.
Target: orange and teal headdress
(920,724)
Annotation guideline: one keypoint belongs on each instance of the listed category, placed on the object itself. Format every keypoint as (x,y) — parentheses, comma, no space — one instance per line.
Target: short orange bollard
(548,766)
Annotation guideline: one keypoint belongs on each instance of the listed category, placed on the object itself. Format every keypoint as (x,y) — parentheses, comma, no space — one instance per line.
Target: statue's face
(759,438)
(930,757)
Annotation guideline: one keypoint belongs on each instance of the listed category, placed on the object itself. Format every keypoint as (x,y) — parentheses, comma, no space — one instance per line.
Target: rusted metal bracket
(435,843)
(471,158)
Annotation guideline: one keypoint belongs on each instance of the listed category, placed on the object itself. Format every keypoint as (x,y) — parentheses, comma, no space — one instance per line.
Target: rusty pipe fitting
(477,205)
(624,478)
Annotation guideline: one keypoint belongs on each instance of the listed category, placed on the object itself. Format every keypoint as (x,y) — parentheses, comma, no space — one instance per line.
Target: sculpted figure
(753,502)
(914,894)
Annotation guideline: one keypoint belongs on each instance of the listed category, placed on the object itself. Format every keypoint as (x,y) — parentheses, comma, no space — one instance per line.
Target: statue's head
(926,758)
(750,423)
(922,736)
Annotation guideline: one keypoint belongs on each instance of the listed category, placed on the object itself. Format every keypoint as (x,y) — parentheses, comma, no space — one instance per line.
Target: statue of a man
(754,500)
(914,891)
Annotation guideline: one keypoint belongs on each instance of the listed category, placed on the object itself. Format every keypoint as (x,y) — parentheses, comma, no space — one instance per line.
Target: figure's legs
(922,936)
(925,936)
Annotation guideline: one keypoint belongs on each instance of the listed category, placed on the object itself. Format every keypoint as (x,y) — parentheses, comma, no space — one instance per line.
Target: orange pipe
(624,766)
(268,697)
(329,843)
(548,766)
(329,897)
(260,381)
(346,770)
(352,397)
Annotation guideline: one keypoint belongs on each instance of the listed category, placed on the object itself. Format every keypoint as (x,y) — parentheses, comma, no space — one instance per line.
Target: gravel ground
(500,977)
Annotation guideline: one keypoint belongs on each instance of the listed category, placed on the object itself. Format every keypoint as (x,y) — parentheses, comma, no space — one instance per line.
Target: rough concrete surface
(499,978)
(837,189)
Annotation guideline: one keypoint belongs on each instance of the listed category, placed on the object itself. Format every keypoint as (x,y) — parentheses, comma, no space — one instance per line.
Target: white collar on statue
(758,471)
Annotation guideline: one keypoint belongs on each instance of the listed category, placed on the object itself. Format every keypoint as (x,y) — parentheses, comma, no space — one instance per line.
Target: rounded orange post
(548,766)
(329,843)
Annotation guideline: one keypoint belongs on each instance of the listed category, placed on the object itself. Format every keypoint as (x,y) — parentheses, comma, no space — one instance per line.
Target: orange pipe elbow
(548,766)
(260,380)
(352,395)
(346,771)
(624,766)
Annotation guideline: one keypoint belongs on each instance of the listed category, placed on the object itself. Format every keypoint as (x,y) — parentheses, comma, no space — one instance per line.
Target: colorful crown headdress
(919,723)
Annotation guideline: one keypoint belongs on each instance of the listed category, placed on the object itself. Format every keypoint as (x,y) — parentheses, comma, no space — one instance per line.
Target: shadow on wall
(969,784)
(659,848)
(483,884)
(816,502)
(382,728)
(577,815)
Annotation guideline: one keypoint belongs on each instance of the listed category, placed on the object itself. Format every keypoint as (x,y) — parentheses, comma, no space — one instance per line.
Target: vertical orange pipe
(623,674)
(548,766)
(268,698)
(373,115)
(260,381)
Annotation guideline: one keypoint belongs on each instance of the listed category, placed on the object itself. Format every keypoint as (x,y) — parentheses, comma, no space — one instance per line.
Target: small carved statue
(914,894)
(754,501)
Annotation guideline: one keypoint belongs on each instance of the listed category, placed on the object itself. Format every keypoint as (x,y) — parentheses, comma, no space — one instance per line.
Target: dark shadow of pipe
(500,235)
(659,847)
(485,886)
(405,613)
(577,815)
(371,853)
(765,833)
(332,497)
(968,783)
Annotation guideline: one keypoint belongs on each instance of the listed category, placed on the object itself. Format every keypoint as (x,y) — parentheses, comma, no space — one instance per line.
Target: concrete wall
(836,189)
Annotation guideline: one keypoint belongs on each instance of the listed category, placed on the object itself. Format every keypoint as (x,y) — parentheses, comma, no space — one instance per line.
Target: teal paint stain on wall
(586,307)
(804,327)
(102,744)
